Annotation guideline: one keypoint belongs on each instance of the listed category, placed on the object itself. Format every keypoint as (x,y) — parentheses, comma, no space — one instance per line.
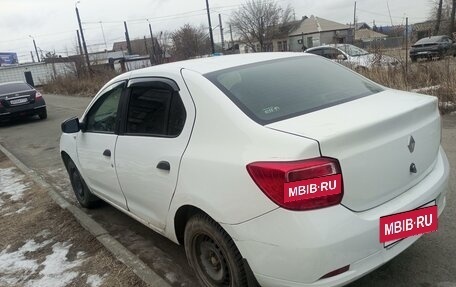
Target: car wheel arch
(65,158)
(182,216)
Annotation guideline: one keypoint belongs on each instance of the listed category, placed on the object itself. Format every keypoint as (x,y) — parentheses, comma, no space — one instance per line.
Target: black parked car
(19,99)
(435,46)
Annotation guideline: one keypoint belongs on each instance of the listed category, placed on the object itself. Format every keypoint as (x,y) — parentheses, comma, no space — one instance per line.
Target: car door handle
(107,153)
(164,165)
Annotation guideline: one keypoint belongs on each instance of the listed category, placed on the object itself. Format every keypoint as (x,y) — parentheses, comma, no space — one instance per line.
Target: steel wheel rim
(211,261)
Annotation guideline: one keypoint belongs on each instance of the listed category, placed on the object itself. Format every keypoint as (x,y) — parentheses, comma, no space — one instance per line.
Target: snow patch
(171,277)
(16,262)
(57,271)
(11,184)
(44,233)
(95,280)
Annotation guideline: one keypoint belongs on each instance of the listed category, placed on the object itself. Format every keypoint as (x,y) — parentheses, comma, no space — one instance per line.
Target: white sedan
(282,168)
(354,57)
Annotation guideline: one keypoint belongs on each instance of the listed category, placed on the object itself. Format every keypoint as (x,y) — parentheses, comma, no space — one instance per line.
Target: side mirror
(71,126)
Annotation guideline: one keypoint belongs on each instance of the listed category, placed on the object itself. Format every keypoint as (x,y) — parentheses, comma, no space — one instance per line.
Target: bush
(436,78)
(85,85)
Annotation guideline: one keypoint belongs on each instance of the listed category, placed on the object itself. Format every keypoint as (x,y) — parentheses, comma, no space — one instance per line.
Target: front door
(155,134)
(96,146)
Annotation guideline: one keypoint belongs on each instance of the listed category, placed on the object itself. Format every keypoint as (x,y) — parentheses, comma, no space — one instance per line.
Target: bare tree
(188,42)
(257,21)
(439,18)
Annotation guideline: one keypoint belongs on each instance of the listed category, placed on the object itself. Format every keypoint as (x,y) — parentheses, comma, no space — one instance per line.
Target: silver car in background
(353,57)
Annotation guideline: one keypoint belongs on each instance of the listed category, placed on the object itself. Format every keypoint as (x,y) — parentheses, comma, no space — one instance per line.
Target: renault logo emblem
(411,145)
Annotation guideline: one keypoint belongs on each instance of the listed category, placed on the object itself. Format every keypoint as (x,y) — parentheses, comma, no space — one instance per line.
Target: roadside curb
(144,272)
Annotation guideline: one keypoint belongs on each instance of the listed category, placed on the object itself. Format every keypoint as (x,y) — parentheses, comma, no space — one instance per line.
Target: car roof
(13,82)
(216,63)
(430,39)
(336,46)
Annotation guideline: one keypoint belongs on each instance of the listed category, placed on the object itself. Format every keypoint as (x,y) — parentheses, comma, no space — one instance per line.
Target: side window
(155,111)
(331,53)
(103,114)
(318,52)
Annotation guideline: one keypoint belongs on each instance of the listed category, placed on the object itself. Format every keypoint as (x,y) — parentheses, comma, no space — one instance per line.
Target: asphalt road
(429,262)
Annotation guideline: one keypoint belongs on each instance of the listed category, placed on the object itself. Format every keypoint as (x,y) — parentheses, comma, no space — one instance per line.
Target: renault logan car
(19,99)
(281,168)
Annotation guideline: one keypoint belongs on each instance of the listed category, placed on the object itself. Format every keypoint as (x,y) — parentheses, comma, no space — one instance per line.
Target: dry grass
(85,85)
(440,75)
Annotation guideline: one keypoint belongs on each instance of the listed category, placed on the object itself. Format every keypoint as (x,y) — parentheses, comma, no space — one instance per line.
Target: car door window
(318,52)
(155,111)
(102,116)
(332,54)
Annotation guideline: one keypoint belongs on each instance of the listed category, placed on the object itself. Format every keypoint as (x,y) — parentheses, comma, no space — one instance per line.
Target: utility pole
(221,32)
(152,58)
(79,42)
(104,38)
(145,44)
(406,49)
(127,38)
(33,58)
(354,23)
(36,50)
(82,37)
(231,35)
(210,26)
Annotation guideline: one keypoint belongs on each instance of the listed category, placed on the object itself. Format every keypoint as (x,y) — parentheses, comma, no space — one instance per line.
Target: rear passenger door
(153,137)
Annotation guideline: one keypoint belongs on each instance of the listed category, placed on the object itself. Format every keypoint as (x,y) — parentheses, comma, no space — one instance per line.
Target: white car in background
(262,171)
(353,57)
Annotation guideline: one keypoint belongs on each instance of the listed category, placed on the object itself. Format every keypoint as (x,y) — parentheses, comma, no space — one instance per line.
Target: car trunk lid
(18,98)
(376,139)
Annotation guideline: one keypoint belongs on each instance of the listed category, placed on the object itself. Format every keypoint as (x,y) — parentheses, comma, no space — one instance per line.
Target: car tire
(43,115)
(212,253)
(414,59)
(85,198)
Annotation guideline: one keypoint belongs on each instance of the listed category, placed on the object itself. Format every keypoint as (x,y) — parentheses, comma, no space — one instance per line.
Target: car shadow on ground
(19,121)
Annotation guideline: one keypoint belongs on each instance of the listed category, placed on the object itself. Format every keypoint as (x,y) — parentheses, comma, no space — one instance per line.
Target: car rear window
(429,40)
(13,87)
(280,89)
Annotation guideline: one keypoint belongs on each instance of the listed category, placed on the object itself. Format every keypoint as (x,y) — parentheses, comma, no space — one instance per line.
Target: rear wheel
(43,115)
(80,188)
(212,254)
(414,59)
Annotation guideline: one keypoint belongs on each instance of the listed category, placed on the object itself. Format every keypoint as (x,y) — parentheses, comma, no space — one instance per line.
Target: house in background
(367,35)
(316,31)
(305,33)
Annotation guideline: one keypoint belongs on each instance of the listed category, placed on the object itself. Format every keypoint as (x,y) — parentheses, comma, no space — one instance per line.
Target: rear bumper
(36,108)
(286,248)
(425,54)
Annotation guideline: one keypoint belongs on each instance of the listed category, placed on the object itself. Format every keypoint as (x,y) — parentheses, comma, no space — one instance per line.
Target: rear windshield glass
(279,89)
(429,40)
(13,88)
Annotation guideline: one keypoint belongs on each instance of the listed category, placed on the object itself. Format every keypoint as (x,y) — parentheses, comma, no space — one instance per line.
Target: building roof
(368,35)
(314,24)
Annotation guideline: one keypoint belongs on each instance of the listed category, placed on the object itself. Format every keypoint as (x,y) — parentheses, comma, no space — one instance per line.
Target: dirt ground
(43,245)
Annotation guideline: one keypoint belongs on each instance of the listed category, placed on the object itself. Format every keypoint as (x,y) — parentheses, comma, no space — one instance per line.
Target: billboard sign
(8,59)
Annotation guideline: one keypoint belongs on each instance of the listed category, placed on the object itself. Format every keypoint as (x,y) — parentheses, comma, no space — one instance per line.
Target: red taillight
(271,177)
(38,95)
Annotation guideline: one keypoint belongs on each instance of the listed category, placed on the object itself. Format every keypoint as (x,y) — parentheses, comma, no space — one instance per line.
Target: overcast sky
(53,23)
